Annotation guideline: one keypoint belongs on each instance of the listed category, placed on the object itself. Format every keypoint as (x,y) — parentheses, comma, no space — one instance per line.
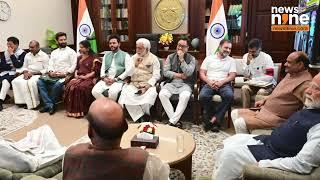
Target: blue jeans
(50,99)
(205,97)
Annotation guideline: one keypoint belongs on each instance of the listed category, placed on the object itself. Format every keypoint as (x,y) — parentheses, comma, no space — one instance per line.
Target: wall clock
(5,11)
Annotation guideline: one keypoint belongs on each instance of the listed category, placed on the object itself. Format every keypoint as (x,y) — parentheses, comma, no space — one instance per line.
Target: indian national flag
(85,28)
(217,27)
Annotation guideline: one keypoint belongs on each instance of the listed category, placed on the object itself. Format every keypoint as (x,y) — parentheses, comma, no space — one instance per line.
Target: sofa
(252,172)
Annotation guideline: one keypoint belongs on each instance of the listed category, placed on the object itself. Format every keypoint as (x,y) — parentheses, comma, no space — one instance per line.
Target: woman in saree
(77,96)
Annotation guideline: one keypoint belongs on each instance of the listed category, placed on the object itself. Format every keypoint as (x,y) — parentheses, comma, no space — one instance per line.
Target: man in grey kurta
(179,68)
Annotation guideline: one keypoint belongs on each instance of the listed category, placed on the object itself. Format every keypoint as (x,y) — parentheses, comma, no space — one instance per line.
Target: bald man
(103,158)
(286,98)
(141,93)
(25,89)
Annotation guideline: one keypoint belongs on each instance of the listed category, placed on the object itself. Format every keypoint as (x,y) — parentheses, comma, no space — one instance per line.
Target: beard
(62,45)
(114,48)
(311,102)
(224,54)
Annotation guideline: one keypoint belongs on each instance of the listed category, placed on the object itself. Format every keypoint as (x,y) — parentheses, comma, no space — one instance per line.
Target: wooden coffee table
(167,148)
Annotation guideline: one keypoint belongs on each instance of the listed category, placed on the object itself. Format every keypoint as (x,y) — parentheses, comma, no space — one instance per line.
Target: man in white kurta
(141,93)
(293,146)
(63,62)
(116,66)
(25,89)
(258,66)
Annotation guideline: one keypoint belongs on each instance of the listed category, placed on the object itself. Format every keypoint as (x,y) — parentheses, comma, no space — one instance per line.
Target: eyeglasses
(182,46)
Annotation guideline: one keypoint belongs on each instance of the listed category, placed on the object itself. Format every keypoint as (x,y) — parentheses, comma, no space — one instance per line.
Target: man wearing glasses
(258,66)
(179,69)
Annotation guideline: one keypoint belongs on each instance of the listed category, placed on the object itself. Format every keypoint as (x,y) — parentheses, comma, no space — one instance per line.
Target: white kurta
(63,60)
(26,91)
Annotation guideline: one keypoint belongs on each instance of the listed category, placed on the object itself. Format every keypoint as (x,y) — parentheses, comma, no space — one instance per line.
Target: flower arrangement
(147,127)
(166,39)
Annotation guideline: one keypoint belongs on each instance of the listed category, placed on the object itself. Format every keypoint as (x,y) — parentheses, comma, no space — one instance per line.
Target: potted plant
(51,42)
(166,39)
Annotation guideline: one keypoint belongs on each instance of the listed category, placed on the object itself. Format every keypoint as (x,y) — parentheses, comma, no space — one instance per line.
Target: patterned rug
(207,143)
(13,118)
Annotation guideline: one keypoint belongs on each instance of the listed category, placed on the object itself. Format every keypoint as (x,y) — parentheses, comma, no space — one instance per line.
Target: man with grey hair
(141,93)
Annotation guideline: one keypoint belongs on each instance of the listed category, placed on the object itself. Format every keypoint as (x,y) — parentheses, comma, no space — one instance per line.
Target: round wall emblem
(169,14)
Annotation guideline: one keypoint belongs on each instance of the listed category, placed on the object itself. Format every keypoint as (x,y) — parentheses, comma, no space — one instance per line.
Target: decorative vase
(166,48)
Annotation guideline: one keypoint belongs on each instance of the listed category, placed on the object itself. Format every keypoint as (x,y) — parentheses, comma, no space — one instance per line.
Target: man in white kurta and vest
(293,146)
(116,66)
(141,93)
(258,66)
(25,89)
(62,63)
(12,60)
(287,98)
(179,69)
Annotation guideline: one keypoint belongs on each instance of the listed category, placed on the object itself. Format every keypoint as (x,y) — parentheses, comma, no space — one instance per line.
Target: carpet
(207,143)
(13,118)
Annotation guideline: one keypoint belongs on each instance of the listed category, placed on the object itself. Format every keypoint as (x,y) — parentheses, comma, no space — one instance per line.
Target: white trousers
(26,91)
(101,86)
(239,123)
(174,116)
(137,111)
(231,160)
(4,89)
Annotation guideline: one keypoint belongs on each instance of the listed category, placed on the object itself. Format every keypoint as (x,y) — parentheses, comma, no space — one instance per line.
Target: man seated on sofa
(286,98)
(258,66)
(103,158)
(13,59)
(294,146)
(178,68)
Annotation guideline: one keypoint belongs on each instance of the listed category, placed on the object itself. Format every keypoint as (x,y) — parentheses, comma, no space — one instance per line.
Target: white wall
(30,20)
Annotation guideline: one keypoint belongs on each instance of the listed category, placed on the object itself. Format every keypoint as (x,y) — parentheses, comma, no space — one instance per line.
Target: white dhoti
(137,105)
(101,86)
(231,160)
(26,91)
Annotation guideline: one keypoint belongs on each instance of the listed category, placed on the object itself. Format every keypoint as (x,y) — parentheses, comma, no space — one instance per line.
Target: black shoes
(51,110)
(144,118)
(43,109)
(177,125)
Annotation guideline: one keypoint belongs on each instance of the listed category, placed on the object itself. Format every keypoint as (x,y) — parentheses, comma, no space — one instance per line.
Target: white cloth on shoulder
(38,149)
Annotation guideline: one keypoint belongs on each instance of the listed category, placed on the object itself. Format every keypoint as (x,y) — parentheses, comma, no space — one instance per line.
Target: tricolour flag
(217,27)
(85,28)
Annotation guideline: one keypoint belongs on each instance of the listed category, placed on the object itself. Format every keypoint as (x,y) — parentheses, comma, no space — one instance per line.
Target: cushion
(46,172)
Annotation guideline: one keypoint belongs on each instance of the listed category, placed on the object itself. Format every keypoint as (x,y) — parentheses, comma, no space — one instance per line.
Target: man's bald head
(106,119)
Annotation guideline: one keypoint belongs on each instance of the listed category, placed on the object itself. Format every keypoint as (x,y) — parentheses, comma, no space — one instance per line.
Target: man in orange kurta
(286,98)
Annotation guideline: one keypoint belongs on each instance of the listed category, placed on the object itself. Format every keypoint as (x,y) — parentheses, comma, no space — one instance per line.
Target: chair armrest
(253,172)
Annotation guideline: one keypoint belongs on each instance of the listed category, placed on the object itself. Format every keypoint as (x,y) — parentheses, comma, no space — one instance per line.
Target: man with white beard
(293,146)
(141,93)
